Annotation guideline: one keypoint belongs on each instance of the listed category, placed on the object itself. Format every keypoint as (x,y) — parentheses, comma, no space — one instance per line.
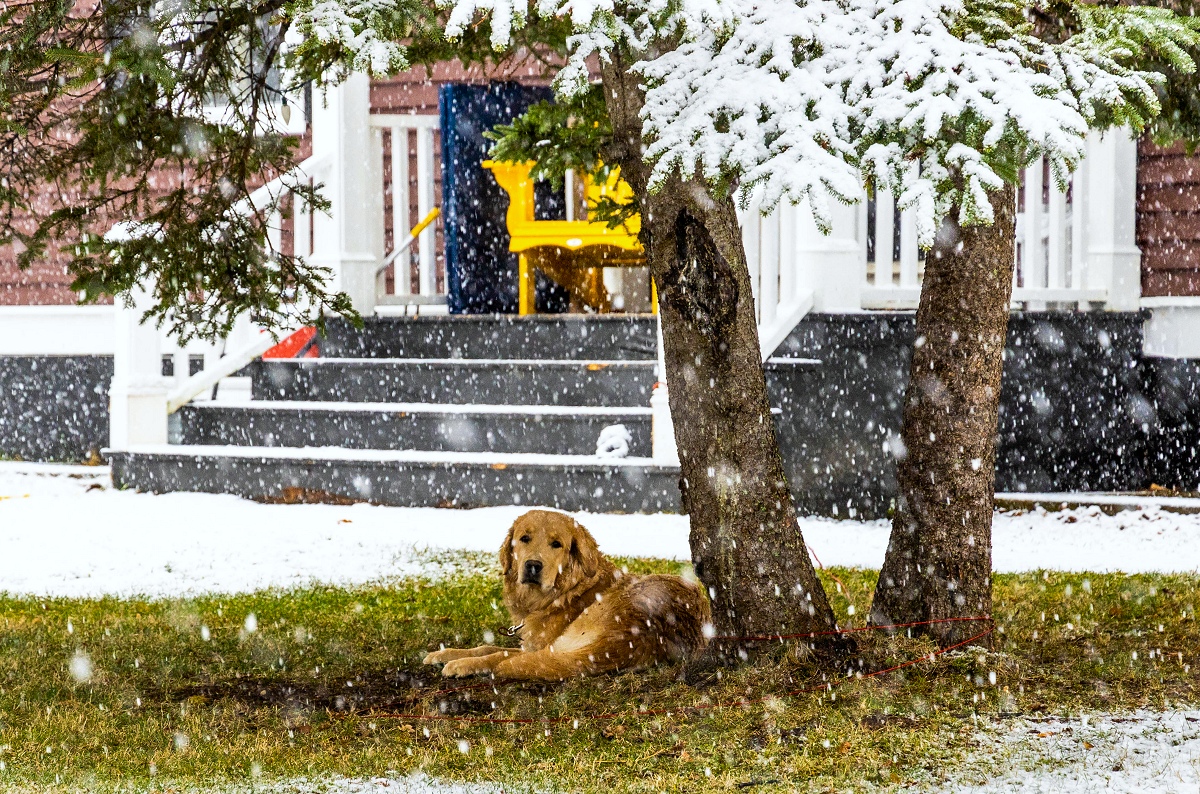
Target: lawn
(233,690)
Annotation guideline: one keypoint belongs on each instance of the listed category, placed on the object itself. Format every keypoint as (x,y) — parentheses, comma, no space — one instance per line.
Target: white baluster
(569,193)
(428,252)
(768,291)
(301,227)
(908,251)
(789,262)
(274,233)
(1056,238)
(752,240)
(1033,262)
(1078,214)
(885,236)
(401,206)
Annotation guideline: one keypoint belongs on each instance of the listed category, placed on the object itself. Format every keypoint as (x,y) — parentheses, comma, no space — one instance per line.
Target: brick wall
(416,91)
(1168,220)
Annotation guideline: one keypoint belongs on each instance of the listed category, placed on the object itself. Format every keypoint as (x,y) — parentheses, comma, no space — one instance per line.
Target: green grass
(313,689)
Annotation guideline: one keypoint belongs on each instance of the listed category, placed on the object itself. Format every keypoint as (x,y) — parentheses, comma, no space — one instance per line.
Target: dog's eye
(525,538)
(556,544)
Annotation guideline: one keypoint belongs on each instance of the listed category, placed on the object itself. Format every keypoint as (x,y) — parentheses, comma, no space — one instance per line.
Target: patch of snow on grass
(67,532)
(414,784)
(74,535)
(1122,754)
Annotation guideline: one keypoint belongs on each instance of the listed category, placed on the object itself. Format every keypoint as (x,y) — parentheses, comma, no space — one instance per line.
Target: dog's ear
(506,552)
(584,550)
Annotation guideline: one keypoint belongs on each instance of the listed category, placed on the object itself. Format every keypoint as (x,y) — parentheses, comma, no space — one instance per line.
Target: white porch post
(662,433)
(138,395)
(1114,261)
(349,240)
(832,266)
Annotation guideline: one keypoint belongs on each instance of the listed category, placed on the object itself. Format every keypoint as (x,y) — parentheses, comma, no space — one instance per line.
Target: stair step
(456,381)
(598,337)
(553,430)
(411,479)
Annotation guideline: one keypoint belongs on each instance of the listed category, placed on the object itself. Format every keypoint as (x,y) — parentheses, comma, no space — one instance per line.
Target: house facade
(433,405)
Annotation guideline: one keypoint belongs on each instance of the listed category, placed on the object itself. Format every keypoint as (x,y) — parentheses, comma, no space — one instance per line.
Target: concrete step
(411,479)
(593,337)
(552,430)
(456,381)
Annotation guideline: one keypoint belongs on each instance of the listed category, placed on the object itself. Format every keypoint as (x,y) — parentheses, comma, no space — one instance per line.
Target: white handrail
(217,367)
(225,366)
(780,299)
(264,196)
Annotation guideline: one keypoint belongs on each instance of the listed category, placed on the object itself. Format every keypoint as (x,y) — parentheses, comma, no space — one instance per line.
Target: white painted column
(349,240)
(664,450)
(1114,262)
(138,394)
(427,240)
(833,265)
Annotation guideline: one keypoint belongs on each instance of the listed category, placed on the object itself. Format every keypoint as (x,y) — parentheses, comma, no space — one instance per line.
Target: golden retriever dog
(577,613)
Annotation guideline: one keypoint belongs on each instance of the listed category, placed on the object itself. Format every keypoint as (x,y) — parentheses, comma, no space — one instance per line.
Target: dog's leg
(477,665)
(454,654)
(547,665)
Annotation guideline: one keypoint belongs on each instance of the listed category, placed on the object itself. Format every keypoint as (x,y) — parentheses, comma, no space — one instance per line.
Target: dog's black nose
(533,570)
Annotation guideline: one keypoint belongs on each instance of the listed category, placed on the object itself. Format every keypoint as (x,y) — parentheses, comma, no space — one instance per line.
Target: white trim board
(1173,328)
(57,331)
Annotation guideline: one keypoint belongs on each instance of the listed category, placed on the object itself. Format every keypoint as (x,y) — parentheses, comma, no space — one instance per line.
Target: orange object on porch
(573,253)
(293,344)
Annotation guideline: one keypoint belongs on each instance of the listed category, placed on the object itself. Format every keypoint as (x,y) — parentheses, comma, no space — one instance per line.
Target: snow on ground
(66,531)
(1139,752)
(413,784)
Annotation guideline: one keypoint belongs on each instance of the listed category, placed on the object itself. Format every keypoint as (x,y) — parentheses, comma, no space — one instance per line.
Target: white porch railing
(782,293)
(1075,248)
(154,374)
(409,137)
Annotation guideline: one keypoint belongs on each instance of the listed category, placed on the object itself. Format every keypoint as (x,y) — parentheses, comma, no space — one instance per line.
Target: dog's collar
(511,631)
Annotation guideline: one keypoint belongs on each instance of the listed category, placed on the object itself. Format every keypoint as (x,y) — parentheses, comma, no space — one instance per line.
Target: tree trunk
(746,543)
(939,559)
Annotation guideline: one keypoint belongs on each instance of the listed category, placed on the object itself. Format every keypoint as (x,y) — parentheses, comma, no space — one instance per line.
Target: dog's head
(547,554)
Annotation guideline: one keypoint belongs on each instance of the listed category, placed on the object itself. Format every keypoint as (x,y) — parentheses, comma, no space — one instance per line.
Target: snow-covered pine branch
(354,26)
(939,101)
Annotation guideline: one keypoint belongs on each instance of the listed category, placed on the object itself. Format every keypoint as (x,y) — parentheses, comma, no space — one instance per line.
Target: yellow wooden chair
(573,253)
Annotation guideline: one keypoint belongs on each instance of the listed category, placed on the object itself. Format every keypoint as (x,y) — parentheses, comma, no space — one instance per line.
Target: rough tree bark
(939,558)
(746,543)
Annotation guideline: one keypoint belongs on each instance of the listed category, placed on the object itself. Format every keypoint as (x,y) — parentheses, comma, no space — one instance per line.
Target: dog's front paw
(463,668)
(440,657)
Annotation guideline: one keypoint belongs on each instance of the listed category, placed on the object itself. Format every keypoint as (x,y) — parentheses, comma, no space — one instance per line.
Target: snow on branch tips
(355,27)
(938,101)
(505,16)
(755,105)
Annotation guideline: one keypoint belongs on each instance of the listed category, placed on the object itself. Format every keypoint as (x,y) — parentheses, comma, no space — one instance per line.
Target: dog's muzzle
(532,572)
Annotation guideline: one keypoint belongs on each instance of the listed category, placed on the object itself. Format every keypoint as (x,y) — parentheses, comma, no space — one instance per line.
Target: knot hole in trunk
(700,284)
